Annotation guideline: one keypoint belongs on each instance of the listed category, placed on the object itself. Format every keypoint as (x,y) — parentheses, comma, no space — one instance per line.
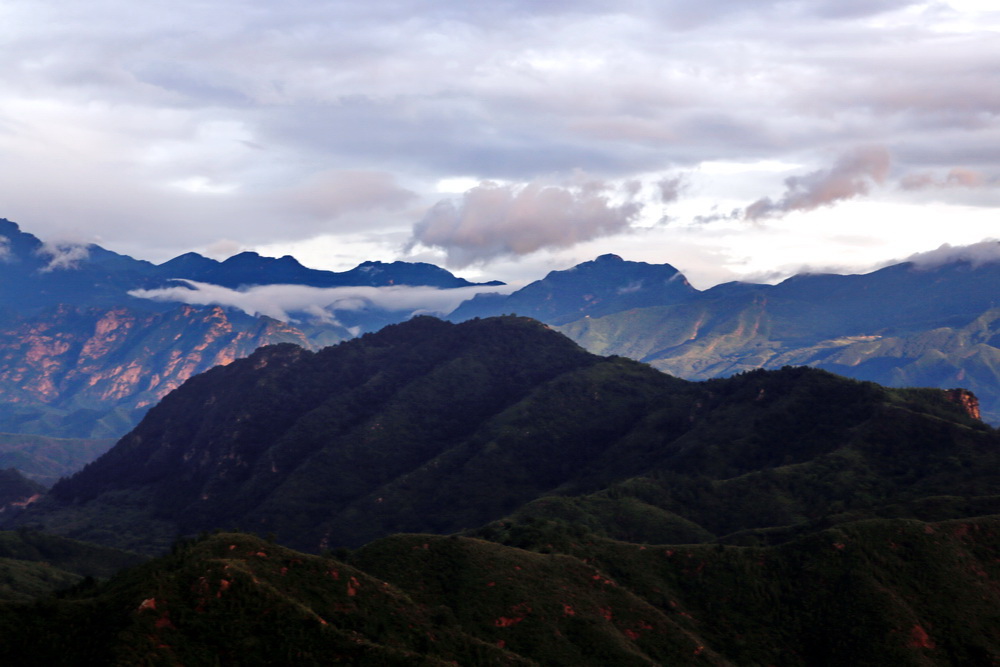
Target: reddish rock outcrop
(966,399)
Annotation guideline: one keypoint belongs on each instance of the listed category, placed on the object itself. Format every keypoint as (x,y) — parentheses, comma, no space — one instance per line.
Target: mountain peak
(190,255)
(246,255)
(602,286)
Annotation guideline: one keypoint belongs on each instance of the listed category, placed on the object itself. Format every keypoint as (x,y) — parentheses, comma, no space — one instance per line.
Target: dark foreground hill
(434,427)
(885,592)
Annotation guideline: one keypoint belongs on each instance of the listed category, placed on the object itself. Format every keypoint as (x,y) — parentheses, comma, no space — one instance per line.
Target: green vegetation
(33,564)
(887,591)
(235,599)
(433,427)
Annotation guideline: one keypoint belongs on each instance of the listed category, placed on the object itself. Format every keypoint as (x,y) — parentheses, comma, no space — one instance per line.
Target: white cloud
(63,256)
(976,254)
(288,302)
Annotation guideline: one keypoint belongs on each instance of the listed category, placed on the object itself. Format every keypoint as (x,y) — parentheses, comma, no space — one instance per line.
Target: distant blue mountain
(35,275)
(603,286)
(81,357)
(250,268)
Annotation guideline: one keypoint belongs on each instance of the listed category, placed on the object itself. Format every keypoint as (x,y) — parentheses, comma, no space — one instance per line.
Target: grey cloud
(288,302)
(494,220)
(851,9)
(4,248)
(851,176)
(452,135)
(735,214)
(670,188)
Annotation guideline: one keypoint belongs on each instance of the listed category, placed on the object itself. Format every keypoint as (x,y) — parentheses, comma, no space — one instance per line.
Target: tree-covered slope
(601,513)
(34,564)
(428,426)
(17,491)
(869,593)
(285,434)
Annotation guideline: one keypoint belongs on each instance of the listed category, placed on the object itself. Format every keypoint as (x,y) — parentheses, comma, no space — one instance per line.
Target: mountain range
(90,339)
(82,357)
(428,426)
(909,324)
(36,274)
(600,512)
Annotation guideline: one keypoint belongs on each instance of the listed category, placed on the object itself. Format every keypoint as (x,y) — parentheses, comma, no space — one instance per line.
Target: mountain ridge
(433,426)
(82,357)
(87,274)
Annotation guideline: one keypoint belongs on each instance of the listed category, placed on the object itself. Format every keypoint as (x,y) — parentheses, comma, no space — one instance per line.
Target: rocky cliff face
(967,400)
(68,360)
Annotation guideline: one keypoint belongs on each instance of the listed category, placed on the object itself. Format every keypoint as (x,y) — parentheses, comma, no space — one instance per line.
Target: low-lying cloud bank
(291,303)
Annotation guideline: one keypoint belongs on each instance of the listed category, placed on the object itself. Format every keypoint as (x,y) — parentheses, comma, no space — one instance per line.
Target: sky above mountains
(504,139)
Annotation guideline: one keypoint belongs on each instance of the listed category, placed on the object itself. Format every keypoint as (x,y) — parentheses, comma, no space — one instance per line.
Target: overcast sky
(502,139)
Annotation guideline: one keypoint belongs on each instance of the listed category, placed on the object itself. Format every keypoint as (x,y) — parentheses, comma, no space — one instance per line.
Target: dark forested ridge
(489,492)
(429,426)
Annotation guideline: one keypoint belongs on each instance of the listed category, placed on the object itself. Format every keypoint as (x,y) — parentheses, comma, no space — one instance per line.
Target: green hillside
(880,592)
(434,427)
